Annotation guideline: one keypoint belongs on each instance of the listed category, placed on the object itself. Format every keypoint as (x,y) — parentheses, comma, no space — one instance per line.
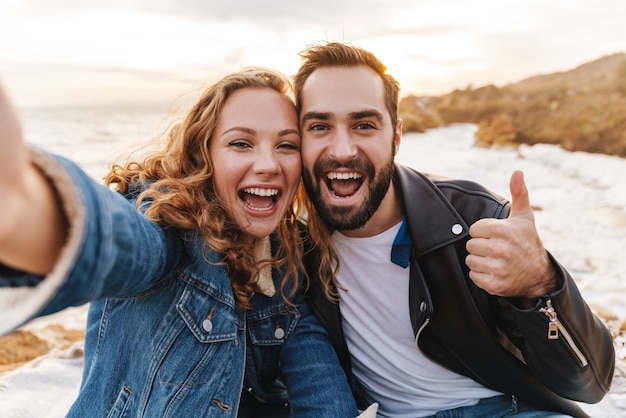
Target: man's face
(348,144)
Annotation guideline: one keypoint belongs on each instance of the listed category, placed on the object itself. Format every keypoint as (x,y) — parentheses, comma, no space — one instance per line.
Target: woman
(193,269)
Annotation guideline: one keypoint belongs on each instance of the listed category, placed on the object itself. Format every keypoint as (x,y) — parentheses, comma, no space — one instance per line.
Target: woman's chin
(255,230)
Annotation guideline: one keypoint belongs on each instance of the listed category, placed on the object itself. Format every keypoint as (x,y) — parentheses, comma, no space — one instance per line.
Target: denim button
(207,325)
(279,333)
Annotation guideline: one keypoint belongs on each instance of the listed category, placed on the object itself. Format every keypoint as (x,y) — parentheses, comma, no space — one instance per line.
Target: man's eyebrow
(365,114)
(316,115)
(361,114)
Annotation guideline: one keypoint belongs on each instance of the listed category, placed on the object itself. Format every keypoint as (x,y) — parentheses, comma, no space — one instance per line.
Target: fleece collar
(264,282)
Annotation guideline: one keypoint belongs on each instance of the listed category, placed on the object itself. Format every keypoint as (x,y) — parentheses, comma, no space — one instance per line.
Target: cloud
(100,86)
(431,46)
(311,11)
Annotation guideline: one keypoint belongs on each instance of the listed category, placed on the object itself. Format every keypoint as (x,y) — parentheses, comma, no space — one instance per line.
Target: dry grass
(581,110)
(22,346)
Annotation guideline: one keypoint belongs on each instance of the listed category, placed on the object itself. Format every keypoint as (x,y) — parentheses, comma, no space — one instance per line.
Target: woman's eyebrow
(285,132)
(240,129)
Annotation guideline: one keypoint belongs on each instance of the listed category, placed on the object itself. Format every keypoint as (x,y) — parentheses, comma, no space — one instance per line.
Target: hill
(583,109)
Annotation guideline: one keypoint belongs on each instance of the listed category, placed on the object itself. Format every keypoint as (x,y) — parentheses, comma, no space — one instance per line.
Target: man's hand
(506,256)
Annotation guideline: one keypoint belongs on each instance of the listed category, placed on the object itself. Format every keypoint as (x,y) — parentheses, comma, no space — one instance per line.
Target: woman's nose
(266,162)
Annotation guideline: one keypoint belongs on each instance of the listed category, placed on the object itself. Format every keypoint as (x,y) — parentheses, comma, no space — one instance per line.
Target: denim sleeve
(316,382)
(112,250)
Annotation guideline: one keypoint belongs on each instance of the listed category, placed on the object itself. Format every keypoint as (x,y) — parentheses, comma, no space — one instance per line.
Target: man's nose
(342,147)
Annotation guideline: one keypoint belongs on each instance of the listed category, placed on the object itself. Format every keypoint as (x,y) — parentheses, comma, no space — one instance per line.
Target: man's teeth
(261,192)
(343,176)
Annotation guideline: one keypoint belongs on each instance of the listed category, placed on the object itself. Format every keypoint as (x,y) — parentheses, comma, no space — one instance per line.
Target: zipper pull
(553,325)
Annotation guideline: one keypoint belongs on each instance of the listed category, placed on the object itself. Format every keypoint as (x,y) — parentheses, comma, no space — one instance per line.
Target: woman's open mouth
(258,198)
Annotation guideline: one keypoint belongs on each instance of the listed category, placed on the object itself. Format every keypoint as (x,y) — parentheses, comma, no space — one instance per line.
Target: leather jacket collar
(422,199)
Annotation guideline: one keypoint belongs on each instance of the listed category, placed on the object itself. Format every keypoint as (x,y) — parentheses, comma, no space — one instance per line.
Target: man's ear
(397,137)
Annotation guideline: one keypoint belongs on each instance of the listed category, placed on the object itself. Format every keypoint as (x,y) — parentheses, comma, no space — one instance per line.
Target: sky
(118,52)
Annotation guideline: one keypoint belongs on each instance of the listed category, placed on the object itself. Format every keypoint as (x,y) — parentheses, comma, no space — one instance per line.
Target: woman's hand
(32,224)
(12,150)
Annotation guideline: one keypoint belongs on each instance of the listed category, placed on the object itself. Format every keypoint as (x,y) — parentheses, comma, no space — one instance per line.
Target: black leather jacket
(485,337)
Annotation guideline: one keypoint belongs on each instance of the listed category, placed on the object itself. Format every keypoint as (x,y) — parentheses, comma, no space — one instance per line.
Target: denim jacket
(164,336)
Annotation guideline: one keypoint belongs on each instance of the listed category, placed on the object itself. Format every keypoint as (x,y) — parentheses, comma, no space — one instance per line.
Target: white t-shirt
(377,326)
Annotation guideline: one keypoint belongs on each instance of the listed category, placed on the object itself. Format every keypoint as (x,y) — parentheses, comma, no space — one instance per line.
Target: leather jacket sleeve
(568,348)
(559,343)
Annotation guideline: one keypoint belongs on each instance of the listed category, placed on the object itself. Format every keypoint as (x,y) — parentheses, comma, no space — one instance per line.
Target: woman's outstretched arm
(33,227)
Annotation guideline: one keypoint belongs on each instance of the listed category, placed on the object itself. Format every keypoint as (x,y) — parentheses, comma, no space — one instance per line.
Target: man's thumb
(520,203)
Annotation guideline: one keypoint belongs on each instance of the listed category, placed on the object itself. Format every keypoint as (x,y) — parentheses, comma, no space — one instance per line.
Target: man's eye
(365,125)
(317,127)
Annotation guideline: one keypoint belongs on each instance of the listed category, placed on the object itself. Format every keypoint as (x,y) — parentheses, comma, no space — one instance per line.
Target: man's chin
(341,218)
(336,213)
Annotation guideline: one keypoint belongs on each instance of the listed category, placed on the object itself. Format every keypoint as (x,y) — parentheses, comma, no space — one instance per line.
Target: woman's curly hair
(178,187)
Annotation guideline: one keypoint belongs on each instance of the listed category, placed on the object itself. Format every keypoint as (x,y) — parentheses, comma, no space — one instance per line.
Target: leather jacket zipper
(556,328)
(419,331)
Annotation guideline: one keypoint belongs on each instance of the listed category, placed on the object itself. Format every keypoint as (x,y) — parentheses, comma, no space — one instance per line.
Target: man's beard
(348,218)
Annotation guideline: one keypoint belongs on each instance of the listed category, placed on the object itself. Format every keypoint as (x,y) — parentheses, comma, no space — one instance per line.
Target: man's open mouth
(258,198)
(343,184)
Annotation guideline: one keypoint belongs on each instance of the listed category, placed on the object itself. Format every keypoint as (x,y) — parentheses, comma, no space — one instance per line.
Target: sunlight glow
(68,50)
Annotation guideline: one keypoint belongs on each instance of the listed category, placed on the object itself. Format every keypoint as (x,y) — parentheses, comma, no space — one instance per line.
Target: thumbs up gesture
(506,256)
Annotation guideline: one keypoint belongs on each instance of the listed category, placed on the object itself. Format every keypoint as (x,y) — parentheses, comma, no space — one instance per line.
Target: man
(448,299)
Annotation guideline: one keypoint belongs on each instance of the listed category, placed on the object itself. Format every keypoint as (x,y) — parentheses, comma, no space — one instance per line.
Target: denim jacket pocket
(273,324)
(208,318)
(119,407)
(201,330)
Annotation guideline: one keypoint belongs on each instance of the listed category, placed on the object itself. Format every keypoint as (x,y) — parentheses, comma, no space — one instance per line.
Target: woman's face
(255,151)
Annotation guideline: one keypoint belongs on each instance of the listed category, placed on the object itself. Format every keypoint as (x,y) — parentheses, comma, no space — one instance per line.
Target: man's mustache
(357,164)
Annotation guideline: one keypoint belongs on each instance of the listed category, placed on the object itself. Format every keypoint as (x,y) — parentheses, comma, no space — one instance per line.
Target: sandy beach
(580,209)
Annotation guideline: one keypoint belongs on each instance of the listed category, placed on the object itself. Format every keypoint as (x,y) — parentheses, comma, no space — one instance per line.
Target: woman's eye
(289,146)
(238,144)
